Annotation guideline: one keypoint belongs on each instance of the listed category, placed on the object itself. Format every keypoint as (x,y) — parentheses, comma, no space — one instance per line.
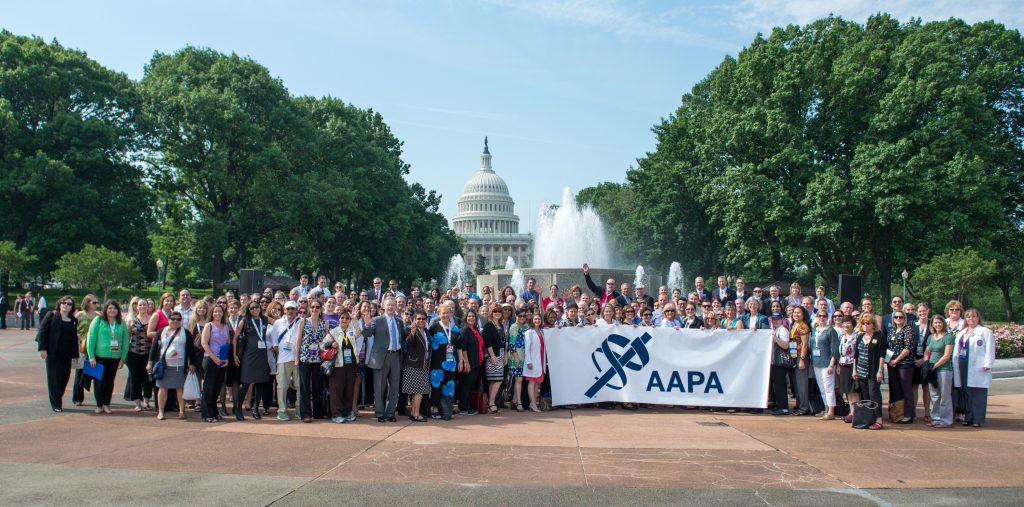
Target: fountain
(570,236)
(518,282)
(567,237)
(510,263)
(675,277)
(456,274)
(640,277)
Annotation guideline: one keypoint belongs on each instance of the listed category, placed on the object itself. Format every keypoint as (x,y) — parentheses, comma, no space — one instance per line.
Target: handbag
(896,411)
(160,366)
(927,374)
(782,357)
(864,414)
(327,367)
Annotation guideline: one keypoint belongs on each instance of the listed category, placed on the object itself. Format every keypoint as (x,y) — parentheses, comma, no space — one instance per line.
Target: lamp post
(160,271)
(905,276)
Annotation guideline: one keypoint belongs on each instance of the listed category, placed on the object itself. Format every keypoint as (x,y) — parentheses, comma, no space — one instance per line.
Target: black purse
(782,357)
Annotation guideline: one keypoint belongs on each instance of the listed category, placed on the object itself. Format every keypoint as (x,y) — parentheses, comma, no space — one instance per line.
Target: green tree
(97,268)
(952,275)
(13,261)
(223,133)
(841,147)
(67,138)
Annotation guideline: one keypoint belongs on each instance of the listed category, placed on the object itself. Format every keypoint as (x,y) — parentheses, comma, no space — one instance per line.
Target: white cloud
(628,20)
(762,15)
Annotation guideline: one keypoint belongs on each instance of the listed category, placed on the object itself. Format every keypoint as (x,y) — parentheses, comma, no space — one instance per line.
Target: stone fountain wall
(567,277)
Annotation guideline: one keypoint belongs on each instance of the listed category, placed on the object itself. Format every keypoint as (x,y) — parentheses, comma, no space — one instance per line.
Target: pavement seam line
(339,465)
(820,471)
(579,449)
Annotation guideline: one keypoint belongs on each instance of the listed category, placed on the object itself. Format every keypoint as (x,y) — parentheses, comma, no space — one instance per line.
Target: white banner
(659,365)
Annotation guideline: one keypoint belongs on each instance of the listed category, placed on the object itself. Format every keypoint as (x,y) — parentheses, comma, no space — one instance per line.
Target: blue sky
(567,90)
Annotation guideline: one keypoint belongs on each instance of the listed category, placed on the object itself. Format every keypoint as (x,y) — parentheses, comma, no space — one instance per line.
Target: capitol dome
(485,205)
(486,220)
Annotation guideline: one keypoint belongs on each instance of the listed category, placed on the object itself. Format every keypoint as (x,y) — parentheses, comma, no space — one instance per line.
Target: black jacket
(416,351)
(156,351)
(49,332)
(598,291)
(493,338)
(876,351)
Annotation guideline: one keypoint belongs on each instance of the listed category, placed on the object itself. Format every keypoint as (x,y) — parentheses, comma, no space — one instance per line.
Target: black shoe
(256,414)
(55,409)
(780,412)
(392,419)
(266,411)
(238,414)
(223,411)
(381,419)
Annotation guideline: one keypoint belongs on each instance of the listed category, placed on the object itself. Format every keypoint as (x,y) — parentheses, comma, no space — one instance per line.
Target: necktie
(393,329)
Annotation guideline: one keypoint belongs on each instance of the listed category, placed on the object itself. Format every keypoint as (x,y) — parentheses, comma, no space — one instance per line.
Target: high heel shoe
(256,413)
(519,407)
(533,408)
(238,414)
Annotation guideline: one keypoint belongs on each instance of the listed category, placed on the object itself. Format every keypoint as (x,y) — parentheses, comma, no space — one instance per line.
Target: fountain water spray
(456,274)
(568,236)
(640,278)
(675,277)
(510,263)
(518,282)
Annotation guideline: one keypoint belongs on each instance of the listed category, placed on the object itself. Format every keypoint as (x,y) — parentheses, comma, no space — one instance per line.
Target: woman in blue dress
(444,337)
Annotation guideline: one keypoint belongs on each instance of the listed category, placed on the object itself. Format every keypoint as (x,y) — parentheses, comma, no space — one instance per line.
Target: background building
(487,223)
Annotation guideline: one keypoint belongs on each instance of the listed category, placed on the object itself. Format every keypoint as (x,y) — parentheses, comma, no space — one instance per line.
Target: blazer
(702,294)
(417,354)
(876,351)
(49,332)
(378,329)
(492,338)
(726,295)
(598,291)
(697,323)
(761,322)
(981,353)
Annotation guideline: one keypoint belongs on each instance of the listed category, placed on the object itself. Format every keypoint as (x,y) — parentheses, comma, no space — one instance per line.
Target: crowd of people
(431,355)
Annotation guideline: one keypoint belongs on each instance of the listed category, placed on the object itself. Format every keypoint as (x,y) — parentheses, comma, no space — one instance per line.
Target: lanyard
(259,328)
(965,339)
(447,333)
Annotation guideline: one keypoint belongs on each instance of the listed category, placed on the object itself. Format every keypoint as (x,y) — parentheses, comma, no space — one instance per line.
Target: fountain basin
(567,277)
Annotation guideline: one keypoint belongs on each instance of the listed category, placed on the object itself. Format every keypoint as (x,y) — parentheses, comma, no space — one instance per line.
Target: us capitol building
(487,223)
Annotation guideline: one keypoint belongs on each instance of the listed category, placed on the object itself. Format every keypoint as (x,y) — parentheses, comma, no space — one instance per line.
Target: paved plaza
(589,456)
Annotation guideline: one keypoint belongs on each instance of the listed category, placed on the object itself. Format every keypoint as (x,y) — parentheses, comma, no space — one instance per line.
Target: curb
(1008,368)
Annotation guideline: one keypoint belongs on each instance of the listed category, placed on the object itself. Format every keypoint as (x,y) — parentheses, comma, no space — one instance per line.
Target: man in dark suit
(385,358)
(723,293)
(896,305)
(773,295)
(608,293)
(702,293)
(377,293)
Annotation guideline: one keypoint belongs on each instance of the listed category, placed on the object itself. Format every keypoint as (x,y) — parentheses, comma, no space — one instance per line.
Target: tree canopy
(97,268)
(839,147)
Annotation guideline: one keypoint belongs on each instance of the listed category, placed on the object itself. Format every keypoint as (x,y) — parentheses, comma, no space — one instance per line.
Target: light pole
(160,271)
(905,276)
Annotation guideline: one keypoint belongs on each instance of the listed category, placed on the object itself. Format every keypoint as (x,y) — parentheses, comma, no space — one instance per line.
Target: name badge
(115,347)
(286,346)
(450,353)
(888,355)
(792,349)
(261,344)
(347,356)
(817,352)
(313,349)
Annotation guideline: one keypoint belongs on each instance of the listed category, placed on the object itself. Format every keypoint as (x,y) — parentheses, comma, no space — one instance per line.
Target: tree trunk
(777,273)
(1007,302)
(218,267)
(885,280)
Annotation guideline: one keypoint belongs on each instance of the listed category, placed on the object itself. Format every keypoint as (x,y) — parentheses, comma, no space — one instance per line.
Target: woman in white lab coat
(533,369)
(974,353)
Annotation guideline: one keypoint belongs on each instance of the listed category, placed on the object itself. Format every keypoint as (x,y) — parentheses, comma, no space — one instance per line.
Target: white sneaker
(338,419)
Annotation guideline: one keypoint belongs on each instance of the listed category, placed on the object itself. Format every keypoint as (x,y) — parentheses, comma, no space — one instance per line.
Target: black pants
(264,395)
(342,382)
(140,386)
(777,379)
(104,389)
(311,388)
(58,371)
(78,388)
(468,382)
(213,381)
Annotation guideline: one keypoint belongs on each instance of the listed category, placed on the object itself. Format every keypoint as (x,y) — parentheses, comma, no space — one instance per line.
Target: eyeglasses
(315,307)
(647,314)
(954,309)
(68,303)
(670,311)
(420,318)
(705,306)
(898,317)
(175,319)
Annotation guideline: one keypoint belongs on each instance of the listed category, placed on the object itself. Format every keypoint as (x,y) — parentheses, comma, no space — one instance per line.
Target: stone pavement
(656,456)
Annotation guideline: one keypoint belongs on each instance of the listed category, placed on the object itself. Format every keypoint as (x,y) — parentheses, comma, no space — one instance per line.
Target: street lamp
(160,271)
(905,276)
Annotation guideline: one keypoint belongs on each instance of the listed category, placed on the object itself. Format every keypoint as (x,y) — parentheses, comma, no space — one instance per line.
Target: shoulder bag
(160,367)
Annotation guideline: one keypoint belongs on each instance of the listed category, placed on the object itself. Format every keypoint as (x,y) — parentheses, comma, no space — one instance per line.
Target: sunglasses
(898,317)
(68,303)
(420,318)
(175,319)
(315,307)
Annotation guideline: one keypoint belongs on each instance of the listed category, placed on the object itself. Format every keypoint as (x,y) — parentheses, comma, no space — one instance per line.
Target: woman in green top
(938,352)
(89,311)
(107,344)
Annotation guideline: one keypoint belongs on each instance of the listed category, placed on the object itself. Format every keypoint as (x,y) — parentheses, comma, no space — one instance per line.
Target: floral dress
(516,343)
(442,360)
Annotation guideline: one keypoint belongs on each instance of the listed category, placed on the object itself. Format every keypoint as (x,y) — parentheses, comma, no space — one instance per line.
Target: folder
(95,372)
(223,351)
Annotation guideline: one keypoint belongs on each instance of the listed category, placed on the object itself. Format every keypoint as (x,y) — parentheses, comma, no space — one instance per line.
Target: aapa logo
(625,355)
